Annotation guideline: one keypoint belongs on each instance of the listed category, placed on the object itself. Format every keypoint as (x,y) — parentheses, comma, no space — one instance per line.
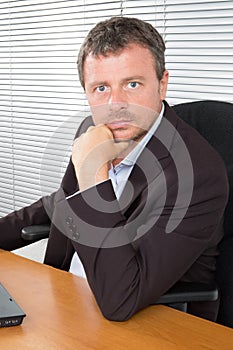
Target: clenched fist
(92,154)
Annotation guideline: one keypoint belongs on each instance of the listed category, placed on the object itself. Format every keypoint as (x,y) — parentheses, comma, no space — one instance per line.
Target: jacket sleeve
(12,224)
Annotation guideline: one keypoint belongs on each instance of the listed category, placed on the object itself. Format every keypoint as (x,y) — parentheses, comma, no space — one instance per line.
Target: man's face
(124,92)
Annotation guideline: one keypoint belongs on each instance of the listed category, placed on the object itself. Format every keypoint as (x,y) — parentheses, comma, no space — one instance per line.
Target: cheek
(144,113)
(150,98)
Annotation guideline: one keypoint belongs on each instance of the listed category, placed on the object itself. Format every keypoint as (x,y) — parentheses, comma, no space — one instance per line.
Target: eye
(133,85)
(101,88)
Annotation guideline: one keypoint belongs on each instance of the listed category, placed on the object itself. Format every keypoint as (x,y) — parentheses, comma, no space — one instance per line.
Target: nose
(117,100)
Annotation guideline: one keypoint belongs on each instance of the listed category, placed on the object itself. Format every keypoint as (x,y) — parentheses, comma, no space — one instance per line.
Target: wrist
(90,177)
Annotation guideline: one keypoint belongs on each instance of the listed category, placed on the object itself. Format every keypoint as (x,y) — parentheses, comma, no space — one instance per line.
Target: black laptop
(10,312)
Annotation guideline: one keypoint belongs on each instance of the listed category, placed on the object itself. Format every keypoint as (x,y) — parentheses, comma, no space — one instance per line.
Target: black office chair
(214,121)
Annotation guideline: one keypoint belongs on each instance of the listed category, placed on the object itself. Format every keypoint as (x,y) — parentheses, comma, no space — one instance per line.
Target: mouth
(118,124)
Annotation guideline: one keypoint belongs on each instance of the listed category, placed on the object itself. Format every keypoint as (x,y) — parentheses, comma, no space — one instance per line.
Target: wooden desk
(62,314)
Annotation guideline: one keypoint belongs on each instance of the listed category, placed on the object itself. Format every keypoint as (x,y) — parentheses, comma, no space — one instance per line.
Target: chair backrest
(214,121)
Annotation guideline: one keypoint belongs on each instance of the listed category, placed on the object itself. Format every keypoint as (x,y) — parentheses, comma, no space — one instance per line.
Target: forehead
(132,58)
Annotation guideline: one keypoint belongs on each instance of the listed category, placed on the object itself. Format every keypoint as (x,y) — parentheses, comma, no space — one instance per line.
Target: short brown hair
(115,34)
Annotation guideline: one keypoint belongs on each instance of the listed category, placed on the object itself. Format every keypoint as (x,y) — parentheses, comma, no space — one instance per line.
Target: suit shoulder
(84,126)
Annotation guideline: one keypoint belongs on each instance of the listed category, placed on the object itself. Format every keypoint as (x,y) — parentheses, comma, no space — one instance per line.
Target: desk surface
(62,314)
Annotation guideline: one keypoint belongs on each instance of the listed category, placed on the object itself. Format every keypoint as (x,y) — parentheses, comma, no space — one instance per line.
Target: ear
(163,85)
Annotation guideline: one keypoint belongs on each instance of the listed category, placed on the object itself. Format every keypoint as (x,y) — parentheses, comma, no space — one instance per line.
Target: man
(142,200)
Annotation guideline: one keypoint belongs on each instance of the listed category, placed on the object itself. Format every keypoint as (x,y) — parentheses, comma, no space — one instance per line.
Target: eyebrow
(134,77)
(97,83)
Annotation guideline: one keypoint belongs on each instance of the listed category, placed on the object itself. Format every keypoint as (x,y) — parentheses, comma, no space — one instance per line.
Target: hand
(92,153)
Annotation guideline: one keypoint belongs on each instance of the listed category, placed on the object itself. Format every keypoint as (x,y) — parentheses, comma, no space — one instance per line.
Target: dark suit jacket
(165,227)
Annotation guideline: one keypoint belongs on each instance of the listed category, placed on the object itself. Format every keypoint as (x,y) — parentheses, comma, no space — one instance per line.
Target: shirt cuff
(78,192)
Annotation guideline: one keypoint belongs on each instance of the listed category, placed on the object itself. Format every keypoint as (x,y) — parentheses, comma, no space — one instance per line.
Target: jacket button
(69,220)
(74,233)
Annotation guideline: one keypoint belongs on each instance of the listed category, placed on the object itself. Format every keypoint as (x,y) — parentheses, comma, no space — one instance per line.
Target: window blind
(199,37)
(41,100)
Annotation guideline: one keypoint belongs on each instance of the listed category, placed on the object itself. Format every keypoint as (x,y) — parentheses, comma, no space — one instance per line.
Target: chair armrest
(183,292)
(35,232)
